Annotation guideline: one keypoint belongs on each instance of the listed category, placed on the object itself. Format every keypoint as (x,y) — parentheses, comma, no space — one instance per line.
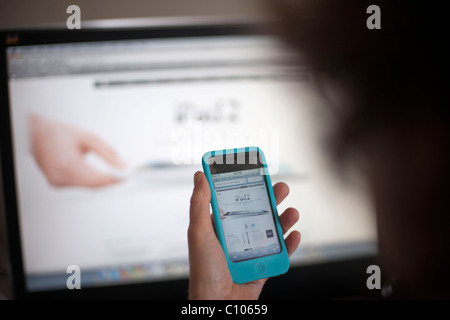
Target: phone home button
(260,267)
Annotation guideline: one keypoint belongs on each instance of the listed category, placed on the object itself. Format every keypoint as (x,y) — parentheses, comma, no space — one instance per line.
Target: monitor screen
(106,136)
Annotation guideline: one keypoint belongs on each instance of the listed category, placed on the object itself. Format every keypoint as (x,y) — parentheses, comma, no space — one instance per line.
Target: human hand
(209,274)
(59,150)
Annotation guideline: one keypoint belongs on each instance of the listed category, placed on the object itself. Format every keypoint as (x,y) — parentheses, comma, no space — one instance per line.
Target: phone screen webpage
(246,214)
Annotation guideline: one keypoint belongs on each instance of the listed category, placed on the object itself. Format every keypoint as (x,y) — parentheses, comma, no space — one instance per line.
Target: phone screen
(245,209)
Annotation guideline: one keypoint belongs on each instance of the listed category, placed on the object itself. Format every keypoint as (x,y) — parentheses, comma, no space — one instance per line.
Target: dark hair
(395,113)
(386,72)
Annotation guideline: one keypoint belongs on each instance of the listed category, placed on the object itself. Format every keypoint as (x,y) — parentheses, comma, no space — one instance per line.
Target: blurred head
(387,97)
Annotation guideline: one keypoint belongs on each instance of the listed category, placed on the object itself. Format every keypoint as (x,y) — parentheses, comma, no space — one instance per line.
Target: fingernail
(197,178)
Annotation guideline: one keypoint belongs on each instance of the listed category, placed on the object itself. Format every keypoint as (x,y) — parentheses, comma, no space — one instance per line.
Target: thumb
(200,219)
(92,142)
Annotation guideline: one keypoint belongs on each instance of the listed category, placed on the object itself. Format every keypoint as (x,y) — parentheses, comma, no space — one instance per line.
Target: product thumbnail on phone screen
(246,214)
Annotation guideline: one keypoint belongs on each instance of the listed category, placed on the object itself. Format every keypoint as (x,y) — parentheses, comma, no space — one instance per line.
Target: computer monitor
(103,129)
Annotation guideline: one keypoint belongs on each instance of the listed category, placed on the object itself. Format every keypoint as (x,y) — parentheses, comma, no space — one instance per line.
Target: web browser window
(159,104)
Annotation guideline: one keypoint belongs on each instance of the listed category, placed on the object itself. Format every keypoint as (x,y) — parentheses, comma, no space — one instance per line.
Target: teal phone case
(257,268)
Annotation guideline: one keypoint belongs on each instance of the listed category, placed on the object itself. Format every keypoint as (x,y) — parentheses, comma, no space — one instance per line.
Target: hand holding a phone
(209,274)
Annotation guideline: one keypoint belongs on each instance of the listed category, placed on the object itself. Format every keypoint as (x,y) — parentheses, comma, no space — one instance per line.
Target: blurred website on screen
(148,99)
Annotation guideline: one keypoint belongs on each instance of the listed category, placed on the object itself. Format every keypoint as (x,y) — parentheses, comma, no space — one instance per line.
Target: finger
(199,211)
(213,222)
(292,241)
(280,190)
(103,149)
(256,287)
(288,218)
(84,175)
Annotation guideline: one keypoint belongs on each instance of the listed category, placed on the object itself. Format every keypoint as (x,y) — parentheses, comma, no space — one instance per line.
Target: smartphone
(245,213)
